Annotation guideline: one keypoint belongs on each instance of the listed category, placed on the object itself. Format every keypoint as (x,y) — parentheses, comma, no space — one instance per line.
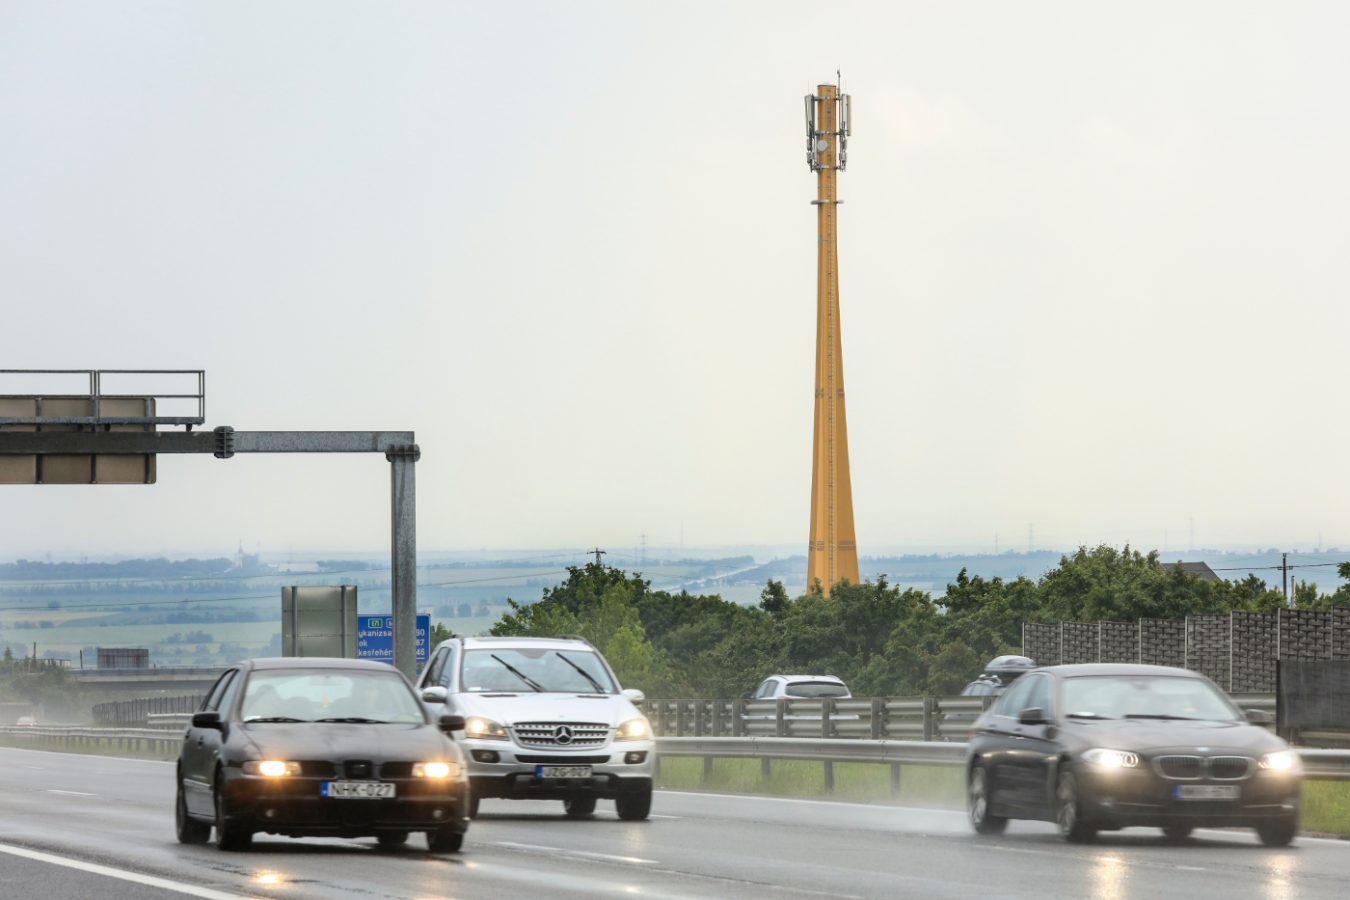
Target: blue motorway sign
(375,638)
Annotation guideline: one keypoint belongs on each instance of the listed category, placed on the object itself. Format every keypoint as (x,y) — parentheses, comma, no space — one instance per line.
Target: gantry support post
(403,583)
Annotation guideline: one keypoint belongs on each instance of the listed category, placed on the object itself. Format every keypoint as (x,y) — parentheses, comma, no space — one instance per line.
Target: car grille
(1229,768)
(1193,768)
(561,734)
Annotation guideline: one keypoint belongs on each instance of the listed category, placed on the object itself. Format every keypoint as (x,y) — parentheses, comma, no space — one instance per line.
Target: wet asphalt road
(71,814)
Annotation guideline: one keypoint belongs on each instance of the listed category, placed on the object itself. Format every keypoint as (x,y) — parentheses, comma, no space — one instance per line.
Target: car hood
(1153,735)
(335,740)
(508,709)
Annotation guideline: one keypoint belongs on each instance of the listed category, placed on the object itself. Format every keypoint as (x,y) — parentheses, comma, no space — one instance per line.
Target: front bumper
(1122,798)
(293,806)
(504,769)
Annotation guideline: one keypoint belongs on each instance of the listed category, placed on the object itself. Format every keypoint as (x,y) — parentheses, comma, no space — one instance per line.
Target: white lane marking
(72,793)
(147,880)
(655,816)
(538,848)
(839,803)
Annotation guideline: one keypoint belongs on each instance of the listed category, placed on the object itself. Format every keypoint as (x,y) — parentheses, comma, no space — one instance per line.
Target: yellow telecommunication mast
(832,555)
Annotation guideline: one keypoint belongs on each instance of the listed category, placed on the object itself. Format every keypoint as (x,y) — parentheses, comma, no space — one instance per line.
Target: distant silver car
(999,672)
(804,687)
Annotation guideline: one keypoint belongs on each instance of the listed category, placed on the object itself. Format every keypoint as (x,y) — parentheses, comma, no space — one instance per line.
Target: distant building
(1198,569)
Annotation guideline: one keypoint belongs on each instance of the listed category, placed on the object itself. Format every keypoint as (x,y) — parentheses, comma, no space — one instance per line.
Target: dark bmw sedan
(1102,747)
(319,747)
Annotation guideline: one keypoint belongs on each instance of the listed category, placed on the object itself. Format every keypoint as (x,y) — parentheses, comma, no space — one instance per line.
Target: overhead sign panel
(76,468)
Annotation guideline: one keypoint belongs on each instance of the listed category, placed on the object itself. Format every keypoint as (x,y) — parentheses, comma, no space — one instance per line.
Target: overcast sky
(1093,266)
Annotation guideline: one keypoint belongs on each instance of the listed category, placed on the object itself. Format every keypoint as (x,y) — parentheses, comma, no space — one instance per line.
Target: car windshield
(328,695)
(816,689)
(535,670)
(1145,697)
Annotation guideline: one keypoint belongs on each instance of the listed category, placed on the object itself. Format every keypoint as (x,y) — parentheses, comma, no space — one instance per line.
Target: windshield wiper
(584,674)
(251,719)
(1163,716)
(1086,715)
(354,720)
(534,685)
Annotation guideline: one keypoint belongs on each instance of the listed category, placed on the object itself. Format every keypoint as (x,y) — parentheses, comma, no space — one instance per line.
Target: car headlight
(435,770)
(1282,761)
(633,730)
(478,727)
(1103,758)
(271,768)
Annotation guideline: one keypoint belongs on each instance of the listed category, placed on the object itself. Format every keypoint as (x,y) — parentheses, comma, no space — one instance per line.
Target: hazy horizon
(1092,273)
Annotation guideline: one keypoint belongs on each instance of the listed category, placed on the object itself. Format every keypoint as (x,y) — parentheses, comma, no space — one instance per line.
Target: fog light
(438,813)
(634,757)
(486,756)
(271,813)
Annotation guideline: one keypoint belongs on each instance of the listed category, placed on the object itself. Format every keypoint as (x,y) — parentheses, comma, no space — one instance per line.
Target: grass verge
(1326,804)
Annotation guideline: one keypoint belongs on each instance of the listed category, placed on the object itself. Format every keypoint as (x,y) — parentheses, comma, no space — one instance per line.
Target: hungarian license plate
(357,790)
(562,771)
(1206,792)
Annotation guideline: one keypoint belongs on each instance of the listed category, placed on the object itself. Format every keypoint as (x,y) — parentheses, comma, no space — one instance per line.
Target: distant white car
(805,687)
(545,719)
(26,721)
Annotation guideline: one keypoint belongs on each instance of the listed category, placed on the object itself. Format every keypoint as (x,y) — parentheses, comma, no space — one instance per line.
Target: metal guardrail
(875,718)
(80,737)
(1318,764)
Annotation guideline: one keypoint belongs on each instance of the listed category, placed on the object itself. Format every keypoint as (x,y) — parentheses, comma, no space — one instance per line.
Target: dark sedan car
(1102,747)
(319,747)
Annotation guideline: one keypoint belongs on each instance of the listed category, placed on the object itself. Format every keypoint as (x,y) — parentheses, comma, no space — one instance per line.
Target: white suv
(545,719)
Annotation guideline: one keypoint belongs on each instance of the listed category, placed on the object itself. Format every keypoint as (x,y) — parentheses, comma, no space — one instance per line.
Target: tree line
(881,639)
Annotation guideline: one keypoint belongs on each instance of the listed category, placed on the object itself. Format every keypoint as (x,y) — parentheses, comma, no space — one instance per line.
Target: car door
(997,744)
(201,747)
(1032,747)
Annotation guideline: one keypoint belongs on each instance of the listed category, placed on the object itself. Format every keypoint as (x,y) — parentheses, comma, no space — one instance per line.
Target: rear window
(816,689)
(979,689)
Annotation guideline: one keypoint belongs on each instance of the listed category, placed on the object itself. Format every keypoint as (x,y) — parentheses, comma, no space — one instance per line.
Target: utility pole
(832,551)
(1284,576)
(598,553)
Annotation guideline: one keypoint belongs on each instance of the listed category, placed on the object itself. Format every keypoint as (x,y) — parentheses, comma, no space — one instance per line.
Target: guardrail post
(878,718)
(780,723)
(738,718)
(929,714)
(895,779)
(827,731)
(680,718)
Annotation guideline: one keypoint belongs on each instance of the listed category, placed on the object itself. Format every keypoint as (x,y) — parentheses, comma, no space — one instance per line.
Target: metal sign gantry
(399,448)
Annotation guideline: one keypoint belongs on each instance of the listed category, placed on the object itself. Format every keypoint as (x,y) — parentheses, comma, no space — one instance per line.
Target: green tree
(440,632)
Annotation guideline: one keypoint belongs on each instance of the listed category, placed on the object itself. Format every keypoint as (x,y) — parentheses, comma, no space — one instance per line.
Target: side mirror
(632,695)
(450,723)
(206,720)
(1033,715)
(436,694)
(1259,717)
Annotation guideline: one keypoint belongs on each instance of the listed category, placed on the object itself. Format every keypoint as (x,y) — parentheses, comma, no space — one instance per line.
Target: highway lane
(118,813)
